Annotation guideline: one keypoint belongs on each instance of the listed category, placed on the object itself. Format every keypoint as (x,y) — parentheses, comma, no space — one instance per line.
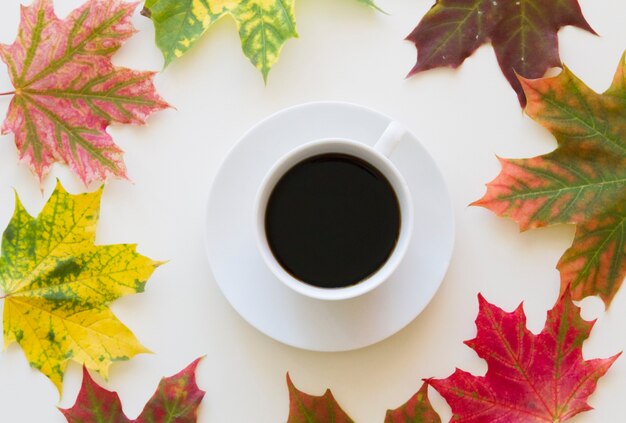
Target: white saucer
(269,305)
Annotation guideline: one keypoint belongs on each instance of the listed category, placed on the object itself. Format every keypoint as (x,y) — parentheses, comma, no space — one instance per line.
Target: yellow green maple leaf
(58,285)
(264,25)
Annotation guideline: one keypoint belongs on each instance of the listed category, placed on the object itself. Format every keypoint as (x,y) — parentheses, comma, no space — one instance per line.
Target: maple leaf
(67,91)
(523,34)
(529,377)
(264,25)
(176,400)
(304,408)
(582,182)
(372,4)
(416,410)
(57,287)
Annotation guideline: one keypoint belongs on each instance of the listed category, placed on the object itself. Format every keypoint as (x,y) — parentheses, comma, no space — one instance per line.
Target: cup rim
(399,185)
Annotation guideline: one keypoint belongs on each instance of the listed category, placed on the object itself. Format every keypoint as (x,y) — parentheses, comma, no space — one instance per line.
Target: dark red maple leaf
(523,34)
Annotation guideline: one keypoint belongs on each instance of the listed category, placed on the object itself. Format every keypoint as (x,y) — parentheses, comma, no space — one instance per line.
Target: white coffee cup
(377,156)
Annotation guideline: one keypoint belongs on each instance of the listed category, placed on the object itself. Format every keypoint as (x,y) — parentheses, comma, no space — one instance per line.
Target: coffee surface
(332,220)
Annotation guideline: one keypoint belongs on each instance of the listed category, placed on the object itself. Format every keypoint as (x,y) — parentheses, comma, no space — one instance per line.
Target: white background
(345,52)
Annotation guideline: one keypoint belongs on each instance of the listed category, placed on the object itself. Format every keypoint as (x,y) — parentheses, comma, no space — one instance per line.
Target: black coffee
(332,220)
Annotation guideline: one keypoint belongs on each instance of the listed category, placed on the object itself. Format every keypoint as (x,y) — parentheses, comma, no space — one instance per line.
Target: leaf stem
(7,93)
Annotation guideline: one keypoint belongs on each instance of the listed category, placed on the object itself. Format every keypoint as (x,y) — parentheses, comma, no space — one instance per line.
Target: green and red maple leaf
(305,408)
(523,34)
(582,182)
(67,91)
(176,400)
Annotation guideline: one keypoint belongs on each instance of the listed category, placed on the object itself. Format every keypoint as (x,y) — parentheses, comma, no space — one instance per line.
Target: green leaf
(264,25)
(372,4)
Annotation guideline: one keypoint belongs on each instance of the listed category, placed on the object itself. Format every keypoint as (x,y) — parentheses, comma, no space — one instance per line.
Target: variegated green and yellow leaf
(178,24)
(582,182)
(57,287)
(264,25)
(67,91)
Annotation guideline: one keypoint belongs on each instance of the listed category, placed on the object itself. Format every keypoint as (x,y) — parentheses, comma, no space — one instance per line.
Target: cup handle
(390,139)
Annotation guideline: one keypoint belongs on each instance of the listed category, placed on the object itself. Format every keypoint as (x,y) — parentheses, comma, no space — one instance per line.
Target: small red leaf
(304,408)
(416,410)
(176,400)
(530,377)
(94,403)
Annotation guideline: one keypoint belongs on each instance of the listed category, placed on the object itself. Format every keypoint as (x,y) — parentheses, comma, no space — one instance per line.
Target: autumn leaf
(582,182)
(523,34)
(264,25)
(529,377)
(304,408)
(416,410)
(372,4)
(67,91)
(57,287)
(176,400)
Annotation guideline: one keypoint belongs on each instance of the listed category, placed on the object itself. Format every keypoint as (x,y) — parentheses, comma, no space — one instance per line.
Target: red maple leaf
(67,91)
(530,377)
